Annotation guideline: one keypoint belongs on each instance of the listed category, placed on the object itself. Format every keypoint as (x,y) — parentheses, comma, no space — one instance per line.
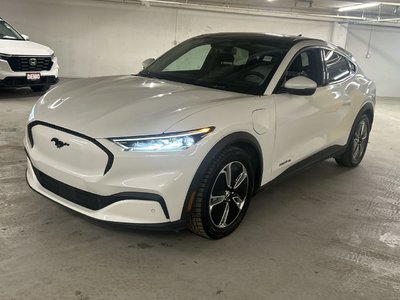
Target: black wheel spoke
(215,200)
(238,201)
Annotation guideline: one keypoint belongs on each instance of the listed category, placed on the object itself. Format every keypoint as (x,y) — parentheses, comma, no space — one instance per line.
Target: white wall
(93,38)
(383,62)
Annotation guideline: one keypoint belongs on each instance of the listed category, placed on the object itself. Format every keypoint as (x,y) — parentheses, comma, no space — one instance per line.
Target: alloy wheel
(360,141)
(228,194)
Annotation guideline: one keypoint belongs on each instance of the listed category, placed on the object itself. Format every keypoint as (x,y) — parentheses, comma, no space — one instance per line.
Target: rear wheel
(223,195)
(40,88)
(357,145)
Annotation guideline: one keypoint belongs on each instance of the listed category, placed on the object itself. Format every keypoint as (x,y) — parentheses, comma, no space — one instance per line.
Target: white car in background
(24,63)
(189,140)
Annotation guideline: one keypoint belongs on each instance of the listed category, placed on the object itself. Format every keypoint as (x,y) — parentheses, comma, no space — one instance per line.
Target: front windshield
(243,65)
(8,33)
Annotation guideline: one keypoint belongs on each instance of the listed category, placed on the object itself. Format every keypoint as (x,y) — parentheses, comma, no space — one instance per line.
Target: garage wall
(93,38)
(382,61)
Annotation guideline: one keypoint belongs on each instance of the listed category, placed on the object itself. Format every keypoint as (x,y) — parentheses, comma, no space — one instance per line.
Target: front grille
(77,196)
(30,63)
(90,200)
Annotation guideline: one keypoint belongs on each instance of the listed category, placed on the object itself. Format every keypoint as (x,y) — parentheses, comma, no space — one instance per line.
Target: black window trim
(348,60)
(278,86)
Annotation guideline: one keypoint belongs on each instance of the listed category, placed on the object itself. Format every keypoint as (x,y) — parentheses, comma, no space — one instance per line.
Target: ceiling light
(359,6)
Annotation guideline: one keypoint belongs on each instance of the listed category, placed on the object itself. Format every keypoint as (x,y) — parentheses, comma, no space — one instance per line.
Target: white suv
(24,63)
(189,140)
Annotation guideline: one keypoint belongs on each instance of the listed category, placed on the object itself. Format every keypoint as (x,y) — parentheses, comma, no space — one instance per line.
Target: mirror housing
(147,62)
(300,85)
(26,38)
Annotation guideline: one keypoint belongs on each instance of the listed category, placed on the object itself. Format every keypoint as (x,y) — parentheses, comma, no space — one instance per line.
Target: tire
(219,206)
(357,145)
(40,88)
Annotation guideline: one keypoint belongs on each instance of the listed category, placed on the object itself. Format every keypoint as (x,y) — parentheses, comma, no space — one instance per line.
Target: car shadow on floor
(264,200)
(17,93)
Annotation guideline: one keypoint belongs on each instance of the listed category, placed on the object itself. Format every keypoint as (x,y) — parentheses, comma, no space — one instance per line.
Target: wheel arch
(242,140)
(368,110)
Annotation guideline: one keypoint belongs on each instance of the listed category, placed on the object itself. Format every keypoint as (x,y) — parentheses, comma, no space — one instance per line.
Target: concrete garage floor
(328,233)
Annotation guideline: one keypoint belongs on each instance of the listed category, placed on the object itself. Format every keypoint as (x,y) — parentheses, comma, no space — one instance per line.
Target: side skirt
(299,167)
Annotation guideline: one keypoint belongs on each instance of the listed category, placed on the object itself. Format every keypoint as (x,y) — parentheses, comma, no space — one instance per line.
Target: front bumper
(120,208)
(140,189)
(15,81)
(10,78)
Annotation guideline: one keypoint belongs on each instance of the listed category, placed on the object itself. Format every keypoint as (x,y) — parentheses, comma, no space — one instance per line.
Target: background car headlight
(163,143)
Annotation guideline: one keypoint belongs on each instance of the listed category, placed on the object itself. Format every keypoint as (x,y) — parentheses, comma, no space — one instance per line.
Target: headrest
(225,55)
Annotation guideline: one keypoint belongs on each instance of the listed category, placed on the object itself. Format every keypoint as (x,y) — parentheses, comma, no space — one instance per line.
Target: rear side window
(352,67)
(337,66)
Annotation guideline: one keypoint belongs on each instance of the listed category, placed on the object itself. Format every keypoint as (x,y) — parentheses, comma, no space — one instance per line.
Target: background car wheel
(357,145)
(40,88)
(223,195)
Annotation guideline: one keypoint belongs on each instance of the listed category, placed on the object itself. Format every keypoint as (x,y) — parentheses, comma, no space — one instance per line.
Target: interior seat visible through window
(308,64)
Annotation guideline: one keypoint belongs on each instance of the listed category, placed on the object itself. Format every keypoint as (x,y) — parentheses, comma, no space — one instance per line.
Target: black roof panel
(280,40)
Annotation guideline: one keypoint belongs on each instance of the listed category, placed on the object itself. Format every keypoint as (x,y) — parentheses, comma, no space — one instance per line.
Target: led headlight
(163,143)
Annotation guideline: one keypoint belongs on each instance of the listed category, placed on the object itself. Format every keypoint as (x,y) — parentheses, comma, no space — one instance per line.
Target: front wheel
(223,195)
(357,145)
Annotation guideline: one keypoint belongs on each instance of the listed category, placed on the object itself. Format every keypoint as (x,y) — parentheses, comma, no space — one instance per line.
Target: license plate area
(32,76)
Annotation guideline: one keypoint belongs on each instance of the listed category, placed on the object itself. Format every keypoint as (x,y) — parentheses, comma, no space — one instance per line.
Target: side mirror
(26,38)
(300,85)
(147,62)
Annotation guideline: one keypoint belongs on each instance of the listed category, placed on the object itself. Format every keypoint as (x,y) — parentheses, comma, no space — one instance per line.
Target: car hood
(16,47)
(125,105)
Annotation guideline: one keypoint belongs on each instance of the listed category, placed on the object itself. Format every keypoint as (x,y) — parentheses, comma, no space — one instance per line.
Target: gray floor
(329,233)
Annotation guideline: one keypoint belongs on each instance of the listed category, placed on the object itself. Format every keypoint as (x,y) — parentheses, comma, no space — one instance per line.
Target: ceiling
(385,12)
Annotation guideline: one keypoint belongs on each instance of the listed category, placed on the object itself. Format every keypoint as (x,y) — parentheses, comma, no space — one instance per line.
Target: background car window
(7,32)
(308,64)
(352,67)
(191,60)
(337,66)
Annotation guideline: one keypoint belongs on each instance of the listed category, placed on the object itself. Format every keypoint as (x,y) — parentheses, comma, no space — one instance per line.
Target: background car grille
(22,63)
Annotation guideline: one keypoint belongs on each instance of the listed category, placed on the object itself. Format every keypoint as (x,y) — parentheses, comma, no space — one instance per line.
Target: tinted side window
(309,64)
(337,66)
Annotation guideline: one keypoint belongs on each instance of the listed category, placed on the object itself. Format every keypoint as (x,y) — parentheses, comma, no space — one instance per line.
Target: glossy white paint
(300,83)
(24,48)
(132,105)
(288,128)
(138,211)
